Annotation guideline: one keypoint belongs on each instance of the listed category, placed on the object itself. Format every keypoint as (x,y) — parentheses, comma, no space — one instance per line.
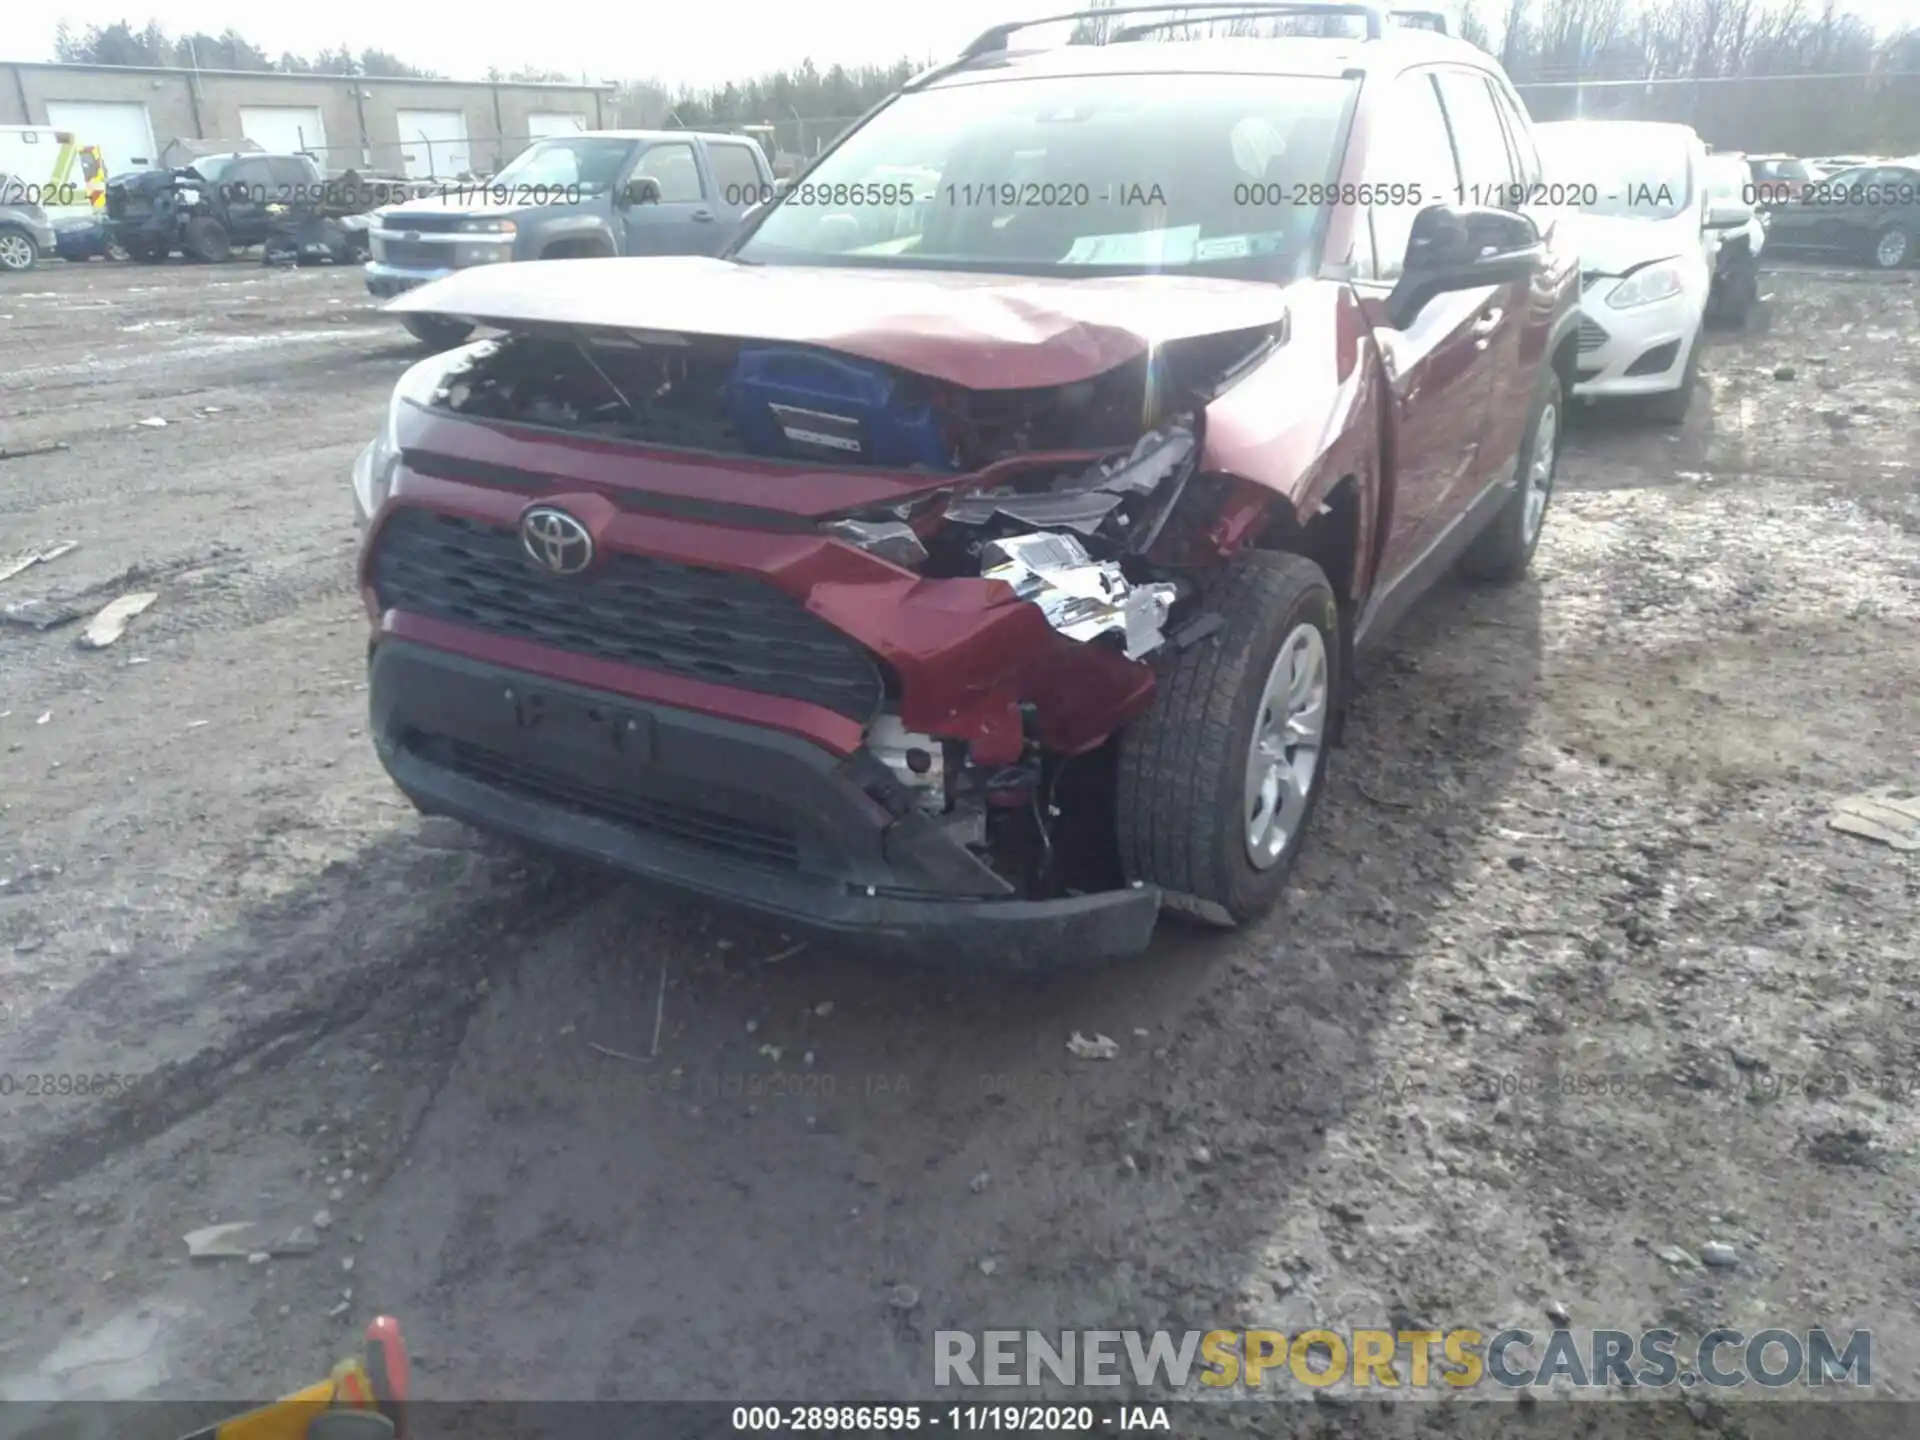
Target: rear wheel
(432,330)
(1219,779)
(207,240)
(18,252)
(1892,247)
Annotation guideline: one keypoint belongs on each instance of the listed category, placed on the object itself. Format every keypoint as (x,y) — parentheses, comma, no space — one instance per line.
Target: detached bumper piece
(731,812)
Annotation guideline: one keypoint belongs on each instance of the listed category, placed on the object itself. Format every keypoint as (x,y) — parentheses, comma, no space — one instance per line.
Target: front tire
(1671,408)
(1501,553)
(207,241)
(436,332)
(1219,780)
(18,252)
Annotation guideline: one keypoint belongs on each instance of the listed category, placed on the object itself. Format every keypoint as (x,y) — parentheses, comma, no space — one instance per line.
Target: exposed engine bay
(1083,478)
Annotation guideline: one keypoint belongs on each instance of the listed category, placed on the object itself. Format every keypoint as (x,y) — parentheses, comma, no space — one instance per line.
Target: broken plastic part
(892,540)
(1082,598)
(1083,502)
(917,761)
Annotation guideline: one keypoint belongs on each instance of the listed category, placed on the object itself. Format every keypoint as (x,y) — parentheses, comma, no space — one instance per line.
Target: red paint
(988,332)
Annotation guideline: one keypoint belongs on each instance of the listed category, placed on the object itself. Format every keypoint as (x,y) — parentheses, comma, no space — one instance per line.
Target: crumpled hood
(986,332)
(1613,245)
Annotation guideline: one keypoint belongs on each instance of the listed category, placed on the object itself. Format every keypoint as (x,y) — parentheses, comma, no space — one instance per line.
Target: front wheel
(207,241)
(18,252)
(1219,779)
(432,330)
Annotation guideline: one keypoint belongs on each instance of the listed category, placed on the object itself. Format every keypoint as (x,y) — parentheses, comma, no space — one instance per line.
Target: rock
(903,1297)
(1719,1255)
(1557,1313)
(298,1241)
(322,1219)
(1098,1048)
(987,1267)
(979,1183)
(1783,372)
(1129,1165)
(258,1257)
(346,1262)
(1674,1255)
(1202,1156)
(824,1008)
(1282,1284)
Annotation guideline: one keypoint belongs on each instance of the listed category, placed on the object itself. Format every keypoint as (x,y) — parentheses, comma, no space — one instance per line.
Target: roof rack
(1261,10)
(1375,14)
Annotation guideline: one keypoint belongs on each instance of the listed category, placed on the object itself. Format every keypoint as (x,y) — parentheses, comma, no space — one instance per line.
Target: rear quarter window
(735,172)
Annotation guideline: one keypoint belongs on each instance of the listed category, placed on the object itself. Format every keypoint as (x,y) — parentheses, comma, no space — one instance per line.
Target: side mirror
(1463,247)
(1727,214)
(641,190)
(780,187)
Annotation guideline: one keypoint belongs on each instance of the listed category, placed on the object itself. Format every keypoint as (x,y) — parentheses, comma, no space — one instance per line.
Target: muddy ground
(1562,990)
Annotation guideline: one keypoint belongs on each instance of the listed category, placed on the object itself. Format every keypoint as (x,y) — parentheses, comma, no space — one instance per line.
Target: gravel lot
(1574,972)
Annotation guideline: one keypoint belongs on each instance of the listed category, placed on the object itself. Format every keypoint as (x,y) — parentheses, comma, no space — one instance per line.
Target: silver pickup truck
(600,192)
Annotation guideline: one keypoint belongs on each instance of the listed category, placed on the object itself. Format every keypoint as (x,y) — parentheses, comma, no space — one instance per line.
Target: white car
(1647,255)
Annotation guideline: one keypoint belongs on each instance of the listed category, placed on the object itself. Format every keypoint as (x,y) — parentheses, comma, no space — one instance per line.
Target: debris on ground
(27,559)
(111,623)
(1719,1254)
(903,1297)
(50,448)
(244,1239)
(40,614)
(154,422)
(1883,815)
(1098,1048)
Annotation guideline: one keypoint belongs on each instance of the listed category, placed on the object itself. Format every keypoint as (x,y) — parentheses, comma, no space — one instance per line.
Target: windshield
(1621,171)
(585,164)
(1208,174)
(211,168)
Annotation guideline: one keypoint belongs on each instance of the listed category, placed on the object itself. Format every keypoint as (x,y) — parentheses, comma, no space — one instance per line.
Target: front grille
(428,224)
(632,609)
(1592,337)
(412,254)
(743,840)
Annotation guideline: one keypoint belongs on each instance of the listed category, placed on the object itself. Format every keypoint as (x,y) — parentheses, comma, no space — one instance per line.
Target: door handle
(1488,322)
(703,215)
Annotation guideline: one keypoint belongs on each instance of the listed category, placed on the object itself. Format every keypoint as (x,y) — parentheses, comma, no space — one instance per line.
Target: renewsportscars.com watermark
(1455,1359)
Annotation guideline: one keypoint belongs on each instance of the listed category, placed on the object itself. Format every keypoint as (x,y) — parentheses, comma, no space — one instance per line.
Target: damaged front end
(992,552)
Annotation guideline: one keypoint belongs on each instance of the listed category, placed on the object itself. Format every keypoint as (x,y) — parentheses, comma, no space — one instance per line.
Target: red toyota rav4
(974,555)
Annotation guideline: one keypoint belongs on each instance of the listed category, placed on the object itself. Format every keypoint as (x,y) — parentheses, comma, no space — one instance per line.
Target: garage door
(433,143)
(120,128)
(542,123)
(285,129)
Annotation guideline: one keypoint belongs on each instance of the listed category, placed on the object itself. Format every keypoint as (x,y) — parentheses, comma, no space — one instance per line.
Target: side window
(1479,143)
(674,167)
(255,176)
(1407,148)
(1519,135)
(290,177)
(734,174)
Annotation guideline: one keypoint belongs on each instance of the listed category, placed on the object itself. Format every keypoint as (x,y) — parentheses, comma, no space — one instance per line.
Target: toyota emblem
(555,541)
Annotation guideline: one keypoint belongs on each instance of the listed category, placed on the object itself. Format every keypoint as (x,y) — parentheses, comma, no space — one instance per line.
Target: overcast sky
(704,42)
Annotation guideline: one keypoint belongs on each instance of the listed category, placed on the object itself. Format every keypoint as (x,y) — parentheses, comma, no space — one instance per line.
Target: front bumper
(1615,346)
(387,281)
(720,809)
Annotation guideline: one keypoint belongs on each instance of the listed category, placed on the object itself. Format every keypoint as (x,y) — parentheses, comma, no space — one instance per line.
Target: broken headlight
(373,467)
(1085,502)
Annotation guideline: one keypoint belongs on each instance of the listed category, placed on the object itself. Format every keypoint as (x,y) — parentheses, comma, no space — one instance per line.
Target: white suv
(1646,254)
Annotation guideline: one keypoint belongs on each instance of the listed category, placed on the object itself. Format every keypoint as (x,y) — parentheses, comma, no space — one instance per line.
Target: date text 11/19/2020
(959,1419)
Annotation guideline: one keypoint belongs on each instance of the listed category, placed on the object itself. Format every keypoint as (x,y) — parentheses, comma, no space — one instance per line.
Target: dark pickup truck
(205,209)
(602,192)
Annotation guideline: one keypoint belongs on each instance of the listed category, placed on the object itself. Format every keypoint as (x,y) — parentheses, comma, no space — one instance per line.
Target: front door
(1438,365)
(683,222)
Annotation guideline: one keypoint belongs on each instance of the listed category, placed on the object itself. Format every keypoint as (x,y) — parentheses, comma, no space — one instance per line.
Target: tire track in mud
(305,995)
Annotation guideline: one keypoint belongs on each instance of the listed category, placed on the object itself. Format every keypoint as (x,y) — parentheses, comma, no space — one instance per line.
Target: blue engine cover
(802,405)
